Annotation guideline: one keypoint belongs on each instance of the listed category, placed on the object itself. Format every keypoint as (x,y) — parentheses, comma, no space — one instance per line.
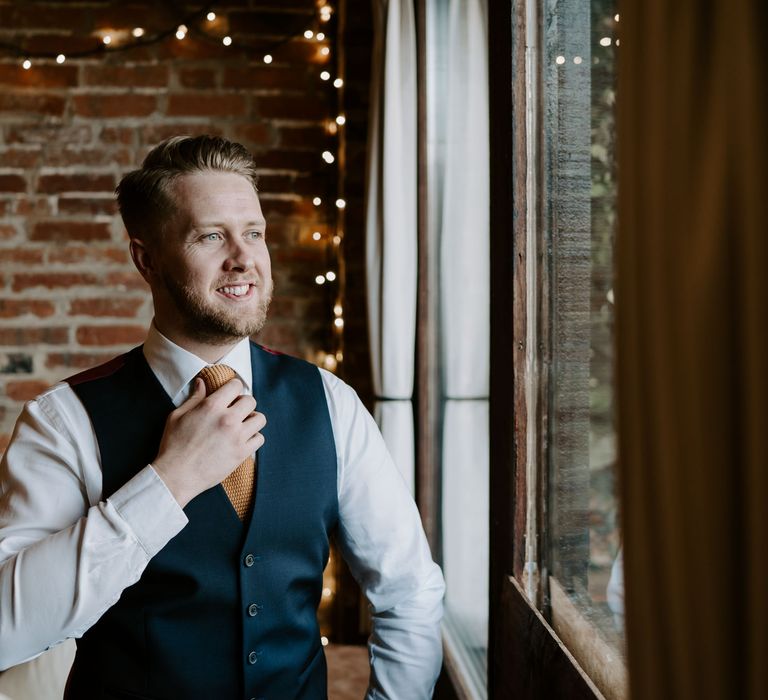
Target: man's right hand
(206,438)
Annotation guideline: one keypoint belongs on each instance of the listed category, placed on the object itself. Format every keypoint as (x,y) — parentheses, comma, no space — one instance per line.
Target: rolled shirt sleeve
(383,541)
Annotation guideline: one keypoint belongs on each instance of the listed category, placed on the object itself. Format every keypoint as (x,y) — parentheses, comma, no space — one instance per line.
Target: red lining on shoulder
(109,367)
(270,350)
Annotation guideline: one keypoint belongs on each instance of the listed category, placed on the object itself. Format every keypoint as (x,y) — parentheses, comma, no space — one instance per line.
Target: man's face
(212,278)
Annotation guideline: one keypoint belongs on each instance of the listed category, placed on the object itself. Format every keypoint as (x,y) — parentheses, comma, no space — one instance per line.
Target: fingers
(226,393)
(196,397)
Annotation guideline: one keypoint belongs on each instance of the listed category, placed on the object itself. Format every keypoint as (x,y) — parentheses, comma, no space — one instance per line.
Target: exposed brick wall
(69,295)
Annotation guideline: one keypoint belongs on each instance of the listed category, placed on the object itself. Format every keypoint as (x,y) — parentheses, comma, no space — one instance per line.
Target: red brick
(267,77)
(105,307)
(43,133)
(125,280)
(197,78)
(291,107)
(52,105)
(70,231)
(117,105)
(297,161)
(88,254)
(39,76)
(87,205)
(61,43)
(255,134)
(12,183)
(20,157)
(110,335)
(117,134)
(33,206)
(11,308)
(133,76)
(76,360)
(33,336)
(202,104)
(31,16)
(267,23)
(88,156)
(76,182)
(194,48)
(52,280)
(314,137)
(7,232)
(25,389)
(27,256)
(152,134)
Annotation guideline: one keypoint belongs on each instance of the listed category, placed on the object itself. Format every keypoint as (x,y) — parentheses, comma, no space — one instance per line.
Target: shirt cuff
(149,509)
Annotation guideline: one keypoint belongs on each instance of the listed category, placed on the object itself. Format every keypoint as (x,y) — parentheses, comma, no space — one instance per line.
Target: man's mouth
(236,291)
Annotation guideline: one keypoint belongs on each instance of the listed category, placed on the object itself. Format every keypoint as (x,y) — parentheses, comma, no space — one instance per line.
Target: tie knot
(216,376)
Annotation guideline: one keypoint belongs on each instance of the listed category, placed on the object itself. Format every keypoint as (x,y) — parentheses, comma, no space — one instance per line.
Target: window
(577,222)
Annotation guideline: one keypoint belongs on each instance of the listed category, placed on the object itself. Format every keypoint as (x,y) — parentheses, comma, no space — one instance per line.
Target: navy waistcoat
(226,609)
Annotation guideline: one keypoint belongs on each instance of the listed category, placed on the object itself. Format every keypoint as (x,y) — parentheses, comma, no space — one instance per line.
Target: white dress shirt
(66,555)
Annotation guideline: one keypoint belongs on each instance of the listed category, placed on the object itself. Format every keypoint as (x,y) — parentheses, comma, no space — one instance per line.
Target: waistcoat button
(253,657)
(249,560)
(253,609)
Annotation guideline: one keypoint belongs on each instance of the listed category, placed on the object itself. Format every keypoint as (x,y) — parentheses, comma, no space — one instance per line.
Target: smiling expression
(210,272)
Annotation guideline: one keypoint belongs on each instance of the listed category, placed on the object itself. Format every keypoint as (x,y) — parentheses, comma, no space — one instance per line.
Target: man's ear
(142,258)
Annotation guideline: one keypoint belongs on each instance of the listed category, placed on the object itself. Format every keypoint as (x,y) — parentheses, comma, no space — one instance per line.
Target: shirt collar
(175,367)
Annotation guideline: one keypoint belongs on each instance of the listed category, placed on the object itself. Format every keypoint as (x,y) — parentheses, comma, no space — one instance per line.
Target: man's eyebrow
(260,223)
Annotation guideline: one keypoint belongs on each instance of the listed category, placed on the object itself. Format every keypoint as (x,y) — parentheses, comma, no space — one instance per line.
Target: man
(114,527)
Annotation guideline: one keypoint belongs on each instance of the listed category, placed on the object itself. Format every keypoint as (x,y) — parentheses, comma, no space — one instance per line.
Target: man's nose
(239,256)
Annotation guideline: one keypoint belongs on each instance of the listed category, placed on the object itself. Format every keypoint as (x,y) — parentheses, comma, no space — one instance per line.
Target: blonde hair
(143,195)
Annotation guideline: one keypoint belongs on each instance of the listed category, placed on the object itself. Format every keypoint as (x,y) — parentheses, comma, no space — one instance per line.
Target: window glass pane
(579,40)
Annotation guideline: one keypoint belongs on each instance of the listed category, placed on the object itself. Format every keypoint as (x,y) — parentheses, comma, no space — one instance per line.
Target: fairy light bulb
(107,40)
(560,60)
(227,41)
(336,240)
(325,51)
(605,41)
(61,58)
(337,310)
(317,201)
(330,275)
(138,32)
(316,236)
(339,323)
(325,75)
(320,279)
(27,64)
(340,203)
(328,157)
(338,83)
(309,34)
(319,36)
(268,58)
(211,16)
(341,120)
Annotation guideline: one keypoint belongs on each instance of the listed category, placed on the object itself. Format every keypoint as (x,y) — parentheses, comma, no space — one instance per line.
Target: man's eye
(215,236)
(255,234)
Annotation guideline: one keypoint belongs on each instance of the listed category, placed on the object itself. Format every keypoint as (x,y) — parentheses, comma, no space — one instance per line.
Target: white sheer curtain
(465,322)
(391,255)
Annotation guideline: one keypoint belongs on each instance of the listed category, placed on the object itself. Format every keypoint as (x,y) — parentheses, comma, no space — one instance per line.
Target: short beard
(209,325)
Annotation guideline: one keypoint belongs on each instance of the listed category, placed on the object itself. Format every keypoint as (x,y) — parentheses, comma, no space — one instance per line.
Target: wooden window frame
(526,659)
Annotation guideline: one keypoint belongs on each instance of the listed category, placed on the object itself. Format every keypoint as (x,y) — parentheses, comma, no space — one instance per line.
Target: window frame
(525,655)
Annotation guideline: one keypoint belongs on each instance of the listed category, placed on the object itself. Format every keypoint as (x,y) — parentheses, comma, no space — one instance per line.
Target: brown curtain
(692,333)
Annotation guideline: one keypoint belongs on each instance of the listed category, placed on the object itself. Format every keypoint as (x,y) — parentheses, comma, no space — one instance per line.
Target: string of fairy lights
(210,26)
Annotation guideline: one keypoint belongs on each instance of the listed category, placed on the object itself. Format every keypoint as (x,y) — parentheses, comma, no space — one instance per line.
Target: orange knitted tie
(239,484)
